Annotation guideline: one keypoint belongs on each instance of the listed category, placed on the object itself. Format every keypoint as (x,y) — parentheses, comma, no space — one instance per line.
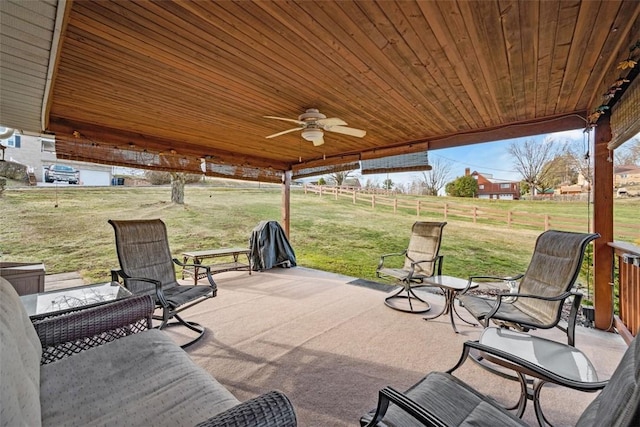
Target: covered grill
(270,247)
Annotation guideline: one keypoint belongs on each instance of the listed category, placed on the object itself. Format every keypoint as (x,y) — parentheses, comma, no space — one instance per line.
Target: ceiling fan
(313,124)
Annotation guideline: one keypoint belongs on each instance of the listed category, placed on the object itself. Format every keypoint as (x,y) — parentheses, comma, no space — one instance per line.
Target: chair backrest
(424,244)
(553,270)
(143,251)
(618,404)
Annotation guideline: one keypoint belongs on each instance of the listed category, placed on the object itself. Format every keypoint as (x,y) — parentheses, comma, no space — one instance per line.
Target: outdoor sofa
(105,366)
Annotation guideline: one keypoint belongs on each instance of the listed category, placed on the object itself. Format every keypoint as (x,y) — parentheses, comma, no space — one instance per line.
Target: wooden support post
(373,201)
(355,198)
(445,211)
(509,218)
(395,205)
(547,222)
(336,192)
(418,208)
(286,202)
(603,224)
(475,214)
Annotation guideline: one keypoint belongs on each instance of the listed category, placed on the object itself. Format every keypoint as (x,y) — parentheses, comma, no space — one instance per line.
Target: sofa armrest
(272,409)
(67,334)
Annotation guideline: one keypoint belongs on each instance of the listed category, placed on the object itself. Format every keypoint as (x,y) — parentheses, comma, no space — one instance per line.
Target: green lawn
(326,234)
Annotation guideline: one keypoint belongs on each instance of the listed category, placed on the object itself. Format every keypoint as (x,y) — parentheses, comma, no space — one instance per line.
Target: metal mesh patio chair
(421,260)
(146,268)
(440,399)
(542,289)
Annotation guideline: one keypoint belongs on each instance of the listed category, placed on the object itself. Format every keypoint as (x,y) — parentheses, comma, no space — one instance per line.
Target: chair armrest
(70,333)
(272,409)
(385,256)
(551,376)
(514,297)
(116,274)
(390,395)
(207,269)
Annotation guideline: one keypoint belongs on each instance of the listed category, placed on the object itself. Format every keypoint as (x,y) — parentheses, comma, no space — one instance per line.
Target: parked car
(61,173)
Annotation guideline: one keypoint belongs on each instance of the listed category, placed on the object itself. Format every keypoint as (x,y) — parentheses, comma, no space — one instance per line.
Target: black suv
(61,173)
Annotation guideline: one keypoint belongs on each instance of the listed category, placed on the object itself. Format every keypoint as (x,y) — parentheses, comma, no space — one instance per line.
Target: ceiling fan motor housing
(312,115)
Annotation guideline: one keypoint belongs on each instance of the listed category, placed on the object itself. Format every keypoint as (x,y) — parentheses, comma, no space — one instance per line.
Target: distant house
(493,188)
(38,152)
(626,175)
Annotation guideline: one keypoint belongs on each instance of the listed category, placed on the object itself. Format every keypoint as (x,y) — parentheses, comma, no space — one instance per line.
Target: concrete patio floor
(330,346)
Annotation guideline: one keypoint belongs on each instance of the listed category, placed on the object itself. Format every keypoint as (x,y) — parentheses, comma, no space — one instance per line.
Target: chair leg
(179,321)
(411,298)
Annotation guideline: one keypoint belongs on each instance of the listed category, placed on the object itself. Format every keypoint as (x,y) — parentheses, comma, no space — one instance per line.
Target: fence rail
(463,212)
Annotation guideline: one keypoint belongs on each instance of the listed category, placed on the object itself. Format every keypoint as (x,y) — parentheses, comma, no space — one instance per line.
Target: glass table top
(69,299)
(557,357)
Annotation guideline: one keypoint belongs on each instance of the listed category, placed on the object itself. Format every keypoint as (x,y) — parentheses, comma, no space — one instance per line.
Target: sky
(488,158)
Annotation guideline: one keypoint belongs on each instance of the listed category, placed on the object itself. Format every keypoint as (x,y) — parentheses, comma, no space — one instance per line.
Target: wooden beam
(603,224)
(576,120)
(286,202)
(117,139)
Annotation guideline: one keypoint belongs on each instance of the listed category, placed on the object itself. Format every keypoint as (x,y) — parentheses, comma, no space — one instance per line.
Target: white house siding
(31,155)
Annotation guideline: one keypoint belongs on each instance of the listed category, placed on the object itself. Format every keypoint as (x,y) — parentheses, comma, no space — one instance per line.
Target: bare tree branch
(434,180)
(530,159)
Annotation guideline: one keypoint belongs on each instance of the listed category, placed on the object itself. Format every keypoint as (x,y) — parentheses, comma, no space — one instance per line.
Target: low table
(198,256)
(544,360)
(451,287)
(61,301)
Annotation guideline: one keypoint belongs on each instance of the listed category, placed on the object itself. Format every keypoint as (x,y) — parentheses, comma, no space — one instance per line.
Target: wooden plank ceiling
(163,84)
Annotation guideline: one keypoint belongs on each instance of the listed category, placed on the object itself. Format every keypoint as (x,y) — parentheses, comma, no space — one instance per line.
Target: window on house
(505,186)
(13,141)
(481,186)
(48,145)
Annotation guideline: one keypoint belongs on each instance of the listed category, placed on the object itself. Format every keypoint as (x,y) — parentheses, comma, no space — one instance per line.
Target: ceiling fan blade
(331,121)
(318,141)
(282,133)
(300,122)
(347,131)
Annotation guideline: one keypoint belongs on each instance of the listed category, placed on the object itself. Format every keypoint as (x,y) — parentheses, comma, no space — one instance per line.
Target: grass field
(327,234)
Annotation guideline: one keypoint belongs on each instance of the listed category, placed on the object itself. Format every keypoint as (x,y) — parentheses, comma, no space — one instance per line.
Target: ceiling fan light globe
(312,135)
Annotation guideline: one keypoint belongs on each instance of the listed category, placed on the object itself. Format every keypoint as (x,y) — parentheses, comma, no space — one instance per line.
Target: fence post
(395,205)
(373,201)
(320,193)
(509,218)
(418,208)
(475,214)
(547,221)
(337,189)
(445,211)
(354,196)
(305,188)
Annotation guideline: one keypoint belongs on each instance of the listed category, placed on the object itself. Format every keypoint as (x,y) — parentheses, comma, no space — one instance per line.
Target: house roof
(177,85)
(626,169)
(489,177)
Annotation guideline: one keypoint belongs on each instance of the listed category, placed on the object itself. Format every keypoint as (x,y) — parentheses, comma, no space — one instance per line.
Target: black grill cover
(270,247)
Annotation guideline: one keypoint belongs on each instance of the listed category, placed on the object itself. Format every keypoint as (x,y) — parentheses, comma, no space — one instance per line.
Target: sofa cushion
(20,353)
(143,379)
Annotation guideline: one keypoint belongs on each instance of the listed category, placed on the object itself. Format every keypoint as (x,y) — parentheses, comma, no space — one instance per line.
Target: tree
(338,178)
(322,181)
(387,184)
(628,153)
(562,169)
(462,186)
(435,179)
(177,187)
(581,162)
(530,159)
